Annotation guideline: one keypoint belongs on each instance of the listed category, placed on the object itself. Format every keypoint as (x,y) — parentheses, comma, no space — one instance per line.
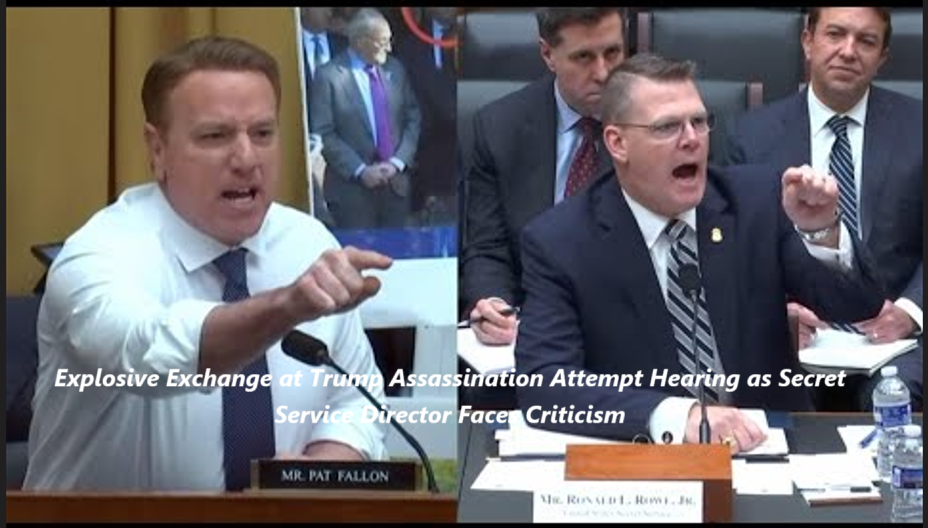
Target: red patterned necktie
(584,163)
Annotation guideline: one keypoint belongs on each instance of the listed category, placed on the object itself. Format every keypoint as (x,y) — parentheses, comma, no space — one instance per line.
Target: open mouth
(687,171)
(245,195)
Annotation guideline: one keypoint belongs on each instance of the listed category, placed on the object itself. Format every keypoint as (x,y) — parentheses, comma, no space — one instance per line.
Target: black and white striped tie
(683,251)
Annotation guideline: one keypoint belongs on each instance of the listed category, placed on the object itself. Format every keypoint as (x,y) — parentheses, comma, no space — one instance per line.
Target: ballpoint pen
(865,443)
(505,312)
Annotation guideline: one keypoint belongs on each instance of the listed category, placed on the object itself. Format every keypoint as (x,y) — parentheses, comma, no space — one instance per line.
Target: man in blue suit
(602,273)
(845,48)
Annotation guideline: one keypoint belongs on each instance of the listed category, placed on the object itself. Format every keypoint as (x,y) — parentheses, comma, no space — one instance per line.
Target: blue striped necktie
(683,251)
(247,417)
(841,166)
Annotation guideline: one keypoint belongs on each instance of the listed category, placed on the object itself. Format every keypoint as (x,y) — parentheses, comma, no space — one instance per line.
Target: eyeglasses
(665,130)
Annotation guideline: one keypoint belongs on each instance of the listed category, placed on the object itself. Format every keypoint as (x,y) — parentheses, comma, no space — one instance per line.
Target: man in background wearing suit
(365,110)
(434,79)
(320,44)
(601,272)
(844,125)
(531,149)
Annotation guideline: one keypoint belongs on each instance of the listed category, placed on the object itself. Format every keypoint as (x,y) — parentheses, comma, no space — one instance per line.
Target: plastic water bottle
(892,410)
(907,476)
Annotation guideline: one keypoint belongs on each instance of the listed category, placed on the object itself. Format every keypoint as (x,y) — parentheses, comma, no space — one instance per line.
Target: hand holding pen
(494,321)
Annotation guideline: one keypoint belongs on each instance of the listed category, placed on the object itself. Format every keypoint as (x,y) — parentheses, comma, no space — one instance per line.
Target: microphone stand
(430,475)
(705,433)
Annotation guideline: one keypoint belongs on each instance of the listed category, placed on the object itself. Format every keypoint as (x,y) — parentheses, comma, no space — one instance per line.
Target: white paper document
(833,471)
(522,439)
(521,475)
(852,435)
(485,359)
(833,350)
(761,478)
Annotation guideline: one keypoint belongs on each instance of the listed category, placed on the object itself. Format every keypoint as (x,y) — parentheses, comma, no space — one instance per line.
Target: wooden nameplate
(342,475)
(706,463)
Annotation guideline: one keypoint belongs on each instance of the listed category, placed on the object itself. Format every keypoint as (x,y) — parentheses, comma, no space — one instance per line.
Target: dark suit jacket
(340,116)
(337,44)
(510,181)
(594,304)
(436,91)
(891,186)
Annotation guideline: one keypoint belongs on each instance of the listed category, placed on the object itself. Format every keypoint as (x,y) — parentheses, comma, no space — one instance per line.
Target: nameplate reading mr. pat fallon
(619,501)
(306,474)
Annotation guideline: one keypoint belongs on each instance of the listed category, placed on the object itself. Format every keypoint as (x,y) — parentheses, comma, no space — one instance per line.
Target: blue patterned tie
(841,166)
(247,417)
(683,251)
(381,114)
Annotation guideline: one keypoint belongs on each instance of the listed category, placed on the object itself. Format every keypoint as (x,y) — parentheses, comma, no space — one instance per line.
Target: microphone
(691,284)
(307,349)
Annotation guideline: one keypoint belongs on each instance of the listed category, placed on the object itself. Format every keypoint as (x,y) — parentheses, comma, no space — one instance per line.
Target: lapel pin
(716,235)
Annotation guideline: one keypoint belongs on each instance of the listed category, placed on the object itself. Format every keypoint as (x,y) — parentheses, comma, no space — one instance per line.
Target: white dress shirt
(822,140)
(131,290)
(670,415)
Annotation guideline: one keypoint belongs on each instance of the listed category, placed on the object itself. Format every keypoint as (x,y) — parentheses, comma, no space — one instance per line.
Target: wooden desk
(250,506)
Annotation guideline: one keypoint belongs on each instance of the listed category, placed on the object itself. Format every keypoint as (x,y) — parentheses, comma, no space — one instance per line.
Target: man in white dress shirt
(199,272)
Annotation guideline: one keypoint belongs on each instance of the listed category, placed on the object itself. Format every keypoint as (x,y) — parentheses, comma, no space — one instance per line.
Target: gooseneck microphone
(307,349)
(691,284)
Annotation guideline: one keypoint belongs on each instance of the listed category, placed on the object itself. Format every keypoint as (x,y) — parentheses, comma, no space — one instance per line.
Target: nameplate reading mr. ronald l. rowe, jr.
(311,474)
(620,501)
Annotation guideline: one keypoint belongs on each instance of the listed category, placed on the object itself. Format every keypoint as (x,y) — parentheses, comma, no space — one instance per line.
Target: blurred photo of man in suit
(319,44)
(871,140)
(433,74)
(533,148)
(366,112)
(603,272)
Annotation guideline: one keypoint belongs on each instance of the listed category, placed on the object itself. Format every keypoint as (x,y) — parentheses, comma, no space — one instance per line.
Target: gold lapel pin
(716,235)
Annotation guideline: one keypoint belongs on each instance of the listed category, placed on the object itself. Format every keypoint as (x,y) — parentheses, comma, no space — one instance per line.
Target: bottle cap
(888,371)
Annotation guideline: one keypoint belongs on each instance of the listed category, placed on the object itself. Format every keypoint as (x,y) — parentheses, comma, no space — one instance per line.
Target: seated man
(876,155)
(533,148)
(602,273)
(199,273)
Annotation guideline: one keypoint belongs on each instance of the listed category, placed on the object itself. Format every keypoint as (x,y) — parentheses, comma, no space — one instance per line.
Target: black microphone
(307,349)
(691,284)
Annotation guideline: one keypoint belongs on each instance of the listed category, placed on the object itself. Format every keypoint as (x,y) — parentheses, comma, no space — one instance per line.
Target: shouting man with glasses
(605,276)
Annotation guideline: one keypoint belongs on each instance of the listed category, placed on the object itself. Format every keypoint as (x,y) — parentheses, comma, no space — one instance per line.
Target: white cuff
(398,163)
(913,310)
(668,420)
(841,258)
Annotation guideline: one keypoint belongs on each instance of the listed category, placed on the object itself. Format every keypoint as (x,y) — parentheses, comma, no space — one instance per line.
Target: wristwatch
(820,234)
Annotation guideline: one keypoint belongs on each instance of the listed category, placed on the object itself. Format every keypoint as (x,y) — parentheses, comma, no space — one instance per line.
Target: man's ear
(155,144)
(546,52)
(616,143)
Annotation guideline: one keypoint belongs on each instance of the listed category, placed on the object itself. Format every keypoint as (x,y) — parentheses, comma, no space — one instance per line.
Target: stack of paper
(835,478)
(834,350)
(485,359)
(522,440)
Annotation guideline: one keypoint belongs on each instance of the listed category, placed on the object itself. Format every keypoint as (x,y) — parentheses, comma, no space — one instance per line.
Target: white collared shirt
(670,415)
(822,139)
(131,290)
